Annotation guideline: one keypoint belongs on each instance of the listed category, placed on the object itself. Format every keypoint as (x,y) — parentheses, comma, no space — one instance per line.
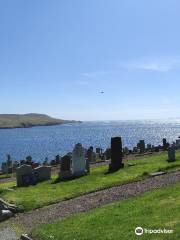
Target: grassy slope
(153,210)
(46,193)
(27,120)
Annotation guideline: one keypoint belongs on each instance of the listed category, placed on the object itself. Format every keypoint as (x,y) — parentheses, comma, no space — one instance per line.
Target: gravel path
(93,200)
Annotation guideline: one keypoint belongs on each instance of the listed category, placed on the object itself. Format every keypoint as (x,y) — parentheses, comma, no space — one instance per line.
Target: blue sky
(56,57)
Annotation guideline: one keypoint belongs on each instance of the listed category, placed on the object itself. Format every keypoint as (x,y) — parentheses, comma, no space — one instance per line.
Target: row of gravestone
(71,166)
(9,166)
(77,164)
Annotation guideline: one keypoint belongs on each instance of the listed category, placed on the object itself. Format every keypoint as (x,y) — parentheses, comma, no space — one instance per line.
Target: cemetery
(89,120)
(80,174)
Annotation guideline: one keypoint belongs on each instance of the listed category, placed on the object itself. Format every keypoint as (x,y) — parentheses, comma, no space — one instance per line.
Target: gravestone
(171,154)
(90,155)
(116,154)
(53,162)
(78,160)
(98,150)
(126,150)
(7,167)
(157,148)
(29,160)
(142,146)
(42,173)
(24,175)
(149,146)
(107,153)
(94,156)
(178,144)
(58,159)
(87,166)
(98,156)
(15,165)
(135,149)
(152,148)
(164,144)
(91,147)
(65,169)
(46,163)
(4,168)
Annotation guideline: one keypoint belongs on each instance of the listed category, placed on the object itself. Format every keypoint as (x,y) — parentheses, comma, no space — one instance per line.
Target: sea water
(48,141)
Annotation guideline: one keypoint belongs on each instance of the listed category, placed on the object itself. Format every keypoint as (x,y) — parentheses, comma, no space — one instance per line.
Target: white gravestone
(78,160)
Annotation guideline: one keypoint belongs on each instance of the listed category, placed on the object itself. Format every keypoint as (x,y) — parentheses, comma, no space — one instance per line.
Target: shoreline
(41,125)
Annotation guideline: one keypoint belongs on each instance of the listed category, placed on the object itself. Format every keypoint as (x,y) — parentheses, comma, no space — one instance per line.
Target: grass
(28,120)
(157,209)
(45,193)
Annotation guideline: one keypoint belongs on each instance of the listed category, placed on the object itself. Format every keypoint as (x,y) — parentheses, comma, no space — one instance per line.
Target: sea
(49,141)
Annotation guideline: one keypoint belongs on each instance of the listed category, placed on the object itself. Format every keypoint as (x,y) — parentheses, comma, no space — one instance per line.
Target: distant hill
(29,120)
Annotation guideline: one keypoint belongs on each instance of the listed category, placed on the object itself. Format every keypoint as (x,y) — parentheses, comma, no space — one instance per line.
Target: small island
(29,120)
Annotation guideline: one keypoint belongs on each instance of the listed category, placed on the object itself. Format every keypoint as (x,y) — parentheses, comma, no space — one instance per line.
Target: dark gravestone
(142,146)
(107,154)
(24,175)
(91,147)
(178,144)
(116,154)
(171,154)
(98,150)
(29,179)
(65,169)
(26,178)
(42,173)
(156,149)
(126,150)
(135,149)
(53,162)
(164,144)
(58,159)
(87,166)
(90,155)
(149,147)
(65,163)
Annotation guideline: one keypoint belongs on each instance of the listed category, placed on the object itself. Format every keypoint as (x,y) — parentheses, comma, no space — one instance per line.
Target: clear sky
(57,55)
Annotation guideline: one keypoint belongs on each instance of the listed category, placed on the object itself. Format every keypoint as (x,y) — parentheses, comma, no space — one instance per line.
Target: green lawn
(157,209)
(46,193)
(28,120)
